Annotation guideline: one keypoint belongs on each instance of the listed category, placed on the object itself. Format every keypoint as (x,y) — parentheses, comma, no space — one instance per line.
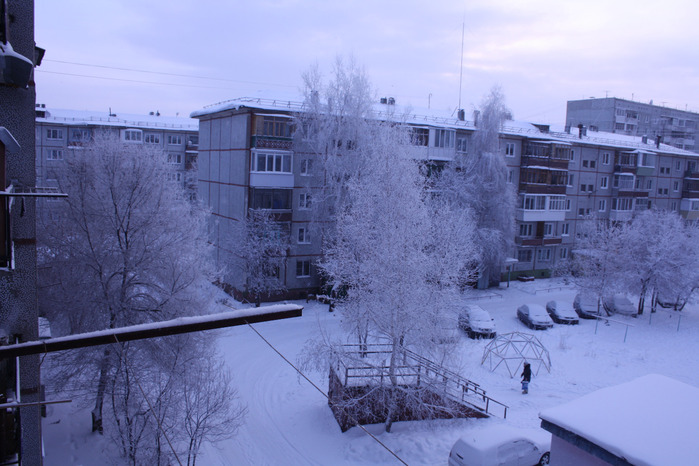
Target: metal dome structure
(512,350)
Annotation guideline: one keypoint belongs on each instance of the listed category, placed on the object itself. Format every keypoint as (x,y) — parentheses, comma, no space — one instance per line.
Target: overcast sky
(177,56)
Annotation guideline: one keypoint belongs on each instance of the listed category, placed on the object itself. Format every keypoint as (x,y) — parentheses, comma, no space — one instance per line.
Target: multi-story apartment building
(249,159)
(58,131)
(675,127)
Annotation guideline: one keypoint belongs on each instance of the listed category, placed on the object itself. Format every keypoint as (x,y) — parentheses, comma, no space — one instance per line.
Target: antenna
(461,71)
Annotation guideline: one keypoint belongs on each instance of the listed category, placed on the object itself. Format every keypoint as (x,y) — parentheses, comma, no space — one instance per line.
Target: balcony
(538,240)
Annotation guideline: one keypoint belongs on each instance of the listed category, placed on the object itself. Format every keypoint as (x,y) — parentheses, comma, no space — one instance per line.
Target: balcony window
(277,127)
(419,136)
(646,160)
(531,202)
(557,203)
(622,204)
(524,255)
(274,162)
(624,182)
(276,199)
(444,138)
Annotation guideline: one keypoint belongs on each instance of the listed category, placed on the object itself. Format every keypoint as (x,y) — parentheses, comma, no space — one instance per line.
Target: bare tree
(125,248)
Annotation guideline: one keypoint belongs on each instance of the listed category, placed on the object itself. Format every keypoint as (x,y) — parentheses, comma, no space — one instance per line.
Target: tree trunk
(642,299)
(101,388)
(394,384)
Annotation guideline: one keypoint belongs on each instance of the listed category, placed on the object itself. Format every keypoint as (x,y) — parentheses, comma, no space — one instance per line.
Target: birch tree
(125,248)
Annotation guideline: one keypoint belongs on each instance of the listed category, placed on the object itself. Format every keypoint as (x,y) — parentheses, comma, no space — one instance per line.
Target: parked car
(562,313)
(534,316)
(502,445)
(477,322)
(586,306)
(619,304)
(672,300)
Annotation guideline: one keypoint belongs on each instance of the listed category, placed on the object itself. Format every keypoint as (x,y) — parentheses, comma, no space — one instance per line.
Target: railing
(413,370)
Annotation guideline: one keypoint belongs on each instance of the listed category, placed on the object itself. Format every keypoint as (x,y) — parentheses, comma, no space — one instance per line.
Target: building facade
(58,131)
(249,159)
(675,127)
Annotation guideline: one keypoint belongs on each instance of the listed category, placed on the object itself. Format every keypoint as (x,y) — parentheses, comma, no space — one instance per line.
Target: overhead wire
(325,394)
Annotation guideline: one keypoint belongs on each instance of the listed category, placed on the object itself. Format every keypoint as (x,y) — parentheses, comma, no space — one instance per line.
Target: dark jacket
(527,373)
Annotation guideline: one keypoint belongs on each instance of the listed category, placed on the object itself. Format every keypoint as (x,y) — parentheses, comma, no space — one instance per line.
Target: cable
(132,80)
(324,394)
(167,74)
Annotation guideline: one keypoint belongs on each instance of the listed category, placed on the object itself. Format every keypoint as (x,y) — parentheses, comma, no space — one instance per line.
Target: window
(534,202)
(543,255)
(54,154)
(565,229)
(678,165)
(306,165)
(510,149)
(444,138)
(583,188)
(662,191)
(279,199)
(646,160)
(303,268)
(572,154)
(510,176)
(524,255)
(133,135)
(419,136)
(673,206)
(54,133)
(174,139)
(279,162)
(174,158)
(622,204)
(568,204)
(602,205)
(525,229)
(563,253)
(605,158)
(277,127)
(177,176)
(152,138)
(604,182)
(304,201)
(557,203)
(624,181)
(548,229)
(619,126)
(571,179)
(79,135)
(304,237)
(462,145)
(585,163)
(593,163)
(649,184)
(675,186)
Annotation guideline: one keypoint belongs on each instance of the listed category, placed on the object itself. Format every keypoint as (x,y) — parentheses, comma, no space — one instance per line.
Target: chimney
(657,141)
(391,101)
(567,129)
(384,100)
(461,114)
(580,130)
(644,139)
(476,114)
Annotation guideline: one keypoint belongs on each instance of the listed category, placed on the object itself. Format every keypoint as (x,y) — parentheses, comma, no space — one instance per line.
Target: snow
(289,421)
(651,420)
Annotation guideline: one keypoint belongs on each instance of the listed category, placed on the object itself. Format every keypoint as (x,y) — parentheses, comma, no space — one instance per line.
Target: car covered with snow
(619,304)
(534,316)
(585,304)
(501,444)
(476,322)
(562,312)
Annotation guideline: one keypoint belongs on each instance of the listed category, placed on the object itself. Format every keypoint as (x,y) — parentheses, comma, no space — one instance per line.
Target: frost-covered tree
(260,247)
(661,254)
(397,253)
(478,181)
(125,248)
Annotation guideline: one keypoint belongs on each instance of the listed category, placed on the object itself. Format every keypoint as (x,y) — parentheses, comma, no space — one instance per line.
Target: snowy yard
(289,421)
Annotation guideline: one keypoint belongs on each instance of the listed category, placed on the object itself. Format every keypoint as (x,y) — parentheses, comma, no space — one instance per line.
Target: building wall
(18,306)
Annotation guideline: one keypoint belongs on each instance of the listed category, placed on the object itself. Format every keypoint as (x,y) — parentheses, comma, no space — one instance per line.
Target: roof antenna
(461,71)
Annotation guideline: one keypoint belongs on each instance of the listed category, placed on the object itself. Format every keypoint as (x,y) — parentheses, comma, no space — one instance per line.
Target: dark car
(534,316)
(476,322)
(562,313)
(586,306)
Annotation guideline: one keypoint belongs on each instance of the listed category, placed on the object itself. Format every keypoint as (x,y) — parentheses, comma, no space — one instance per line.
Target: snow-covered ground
(289,421)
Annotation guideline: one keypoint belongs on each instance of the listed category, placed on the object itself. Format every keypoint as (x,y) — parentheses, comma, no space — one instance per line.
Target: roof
(93,118)
(652,420)
(440,118)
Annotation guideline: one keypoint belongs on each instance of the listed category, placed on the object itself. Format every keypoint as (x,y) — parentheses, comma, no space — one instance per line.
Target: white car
(586,306)
(619,304)
(562,313)
(534,316)
(502,445)
(476,322)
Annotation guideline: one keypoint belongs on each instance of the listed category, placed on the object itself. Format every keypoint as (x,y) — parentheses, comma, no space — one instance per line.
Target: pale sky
(177,56)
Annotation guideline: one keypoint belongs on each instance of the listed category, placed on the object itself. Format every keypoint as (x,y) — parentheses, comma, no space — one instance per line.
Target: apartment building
(678,128)
(58,131)
(248,159)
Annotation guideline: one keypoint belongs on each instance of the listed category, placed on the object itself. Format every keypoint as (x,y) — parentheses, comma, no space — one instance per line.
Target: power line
(325,394)
(134,80)
(167,74)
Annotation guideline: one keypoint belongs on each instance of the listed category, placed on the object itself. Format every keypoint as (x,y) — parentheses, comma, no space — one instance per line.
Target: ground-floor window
(303,268)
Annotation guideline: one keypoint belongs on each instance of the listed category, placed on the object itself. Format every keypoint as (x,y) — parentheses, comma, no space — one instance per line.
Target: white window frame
(565,229)
(306,165)
(54,133)
(304,201)
(151,138)
(543,255)
(602,205)
(174,159)
(606,158)
(509,149)
(54,154)
(303,236)
(305,269)
(174,139)
(276,160)
(604,182)
(548,229)
(563,254)
(526,230)
(676,186)
(444,138)
(134,136)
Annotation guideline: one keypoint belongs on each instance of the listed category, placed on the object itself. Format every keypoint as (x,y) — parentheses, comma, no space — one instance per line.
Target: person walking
(526,378)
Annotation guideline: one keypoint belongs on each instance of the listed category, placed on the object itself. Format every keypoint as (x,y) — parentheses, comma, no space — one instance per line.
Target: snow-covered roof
(440,118)
(92,118)
(652,420)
